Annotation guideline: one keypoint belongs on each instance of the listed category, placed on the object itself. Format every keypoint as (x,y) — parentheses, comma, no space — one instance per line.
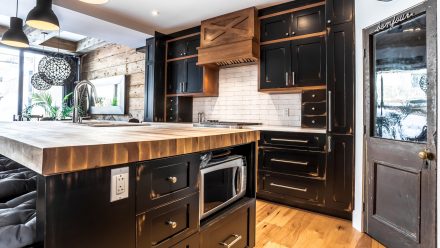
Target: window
(9,83)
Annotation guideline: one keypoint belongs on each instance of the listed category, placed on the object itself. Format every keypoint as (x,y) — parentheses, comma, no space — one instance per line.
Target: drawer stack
(314,109)
(167,205)
(292,168)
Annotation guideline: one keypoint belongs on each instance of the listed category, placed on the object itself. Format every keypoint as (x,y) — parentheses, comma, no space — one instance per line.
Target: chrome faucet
(76,117)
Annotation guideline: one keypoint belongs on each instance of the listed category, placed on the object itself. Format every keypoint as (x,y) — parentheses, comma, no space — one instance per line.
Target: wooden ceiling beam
(63,45)
(89,44)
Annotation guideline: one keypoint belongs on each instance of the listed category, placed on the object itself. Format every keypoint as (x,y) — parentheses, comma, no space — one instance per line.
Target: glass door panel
(398,94)
(9,81)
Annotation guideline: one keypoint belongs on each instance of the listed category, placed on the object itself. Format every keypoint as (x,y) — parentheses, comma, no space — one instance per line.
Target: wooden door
(339,11)
(194,77)
(340,78)
(275,66)
(308,62)
(400,115)
(274,28)
(176,76)
(308,21)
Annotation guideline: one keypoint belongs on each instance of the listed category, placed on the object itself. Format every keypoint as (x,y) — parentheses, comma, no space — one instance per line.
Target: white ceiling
(174,15)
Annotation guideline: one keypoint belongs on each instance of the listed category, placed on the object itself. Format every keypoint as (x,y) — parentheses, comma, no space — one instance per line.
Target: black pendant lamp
(15,36)
(42,16)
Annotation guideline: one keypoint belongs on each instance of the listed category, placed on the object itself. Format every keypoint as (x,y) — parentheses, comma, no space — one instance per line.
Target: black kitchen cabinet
(275,66)
(302,22)
(340,160)
(340,78)
(184,76)
(308,62)
(176,76)
(183,47)
(194,77)
(298,63)
(339,11)
(179,109)
(275,28)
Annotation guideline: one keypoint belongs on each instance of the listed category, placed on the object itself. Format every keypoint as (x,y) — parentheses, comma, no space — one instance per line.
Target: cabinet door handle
(293,78)
(233,242)
(290,140)
(289,162)
(172,179)
(329,111)
(329,144)
(172,224)
(293,33)
(287,34)
(288,187)
(287,79)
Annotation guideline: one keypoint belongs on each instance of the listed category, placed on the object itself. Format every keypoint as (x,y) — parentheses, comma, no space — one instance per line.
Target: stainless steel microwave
(221,183)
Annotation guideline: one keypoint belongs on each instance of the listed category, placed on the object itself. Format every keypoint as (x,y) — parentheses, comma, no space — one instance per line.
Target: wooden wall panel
(114,60)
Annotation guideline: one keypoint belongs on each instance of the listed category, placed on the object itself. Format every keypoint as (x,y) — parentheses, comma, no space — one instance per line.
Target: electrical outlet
(119,184)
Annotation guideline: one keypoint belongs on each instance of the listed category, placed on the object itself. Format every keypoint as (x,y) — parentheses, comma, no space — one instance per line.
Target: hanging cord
(16,10)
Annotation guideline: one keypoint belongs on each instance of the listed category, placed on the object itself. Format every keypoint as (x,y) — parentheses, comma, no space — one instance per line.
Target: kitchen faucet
(76,117)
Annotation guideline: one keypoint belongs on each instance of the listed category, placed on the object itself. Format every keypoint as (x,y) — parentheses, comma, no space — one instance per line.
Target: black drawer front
(164,226)
(299,140)
(314,96)
(291,187)
(294,162)
(191,242)
(314,121)
(311,108)
(161,181)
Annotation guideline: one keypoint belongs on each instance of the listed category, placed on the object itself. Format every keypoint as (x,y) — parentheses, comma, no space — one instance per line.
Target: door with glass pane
(400,124)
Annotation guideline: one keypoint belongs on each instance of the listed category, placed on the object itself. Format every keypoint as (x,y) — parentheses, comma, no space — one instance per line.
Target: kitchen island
(78,163)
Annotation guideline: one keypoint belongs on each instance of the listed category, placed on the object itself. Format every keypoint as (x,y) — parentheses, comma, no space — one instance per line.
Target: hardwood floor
(284,227)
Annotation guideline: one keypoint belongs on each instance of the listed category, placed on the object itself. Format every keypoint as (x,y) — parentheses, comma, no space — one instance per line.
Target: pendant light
(42,16)
(94,1)
(15,36)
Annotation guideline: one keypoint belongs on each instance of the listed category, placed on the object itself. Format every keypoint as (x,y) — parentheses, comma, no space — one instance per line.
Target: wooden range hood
(230,40)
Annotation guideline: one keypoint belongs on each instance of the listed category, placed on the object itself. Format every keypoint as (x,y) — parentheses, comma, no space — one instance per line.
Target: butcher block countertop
(59,147)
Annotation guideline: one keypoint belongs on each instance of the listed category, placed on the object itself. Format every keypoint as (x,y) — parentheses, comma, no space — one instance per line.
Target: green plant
(44,100)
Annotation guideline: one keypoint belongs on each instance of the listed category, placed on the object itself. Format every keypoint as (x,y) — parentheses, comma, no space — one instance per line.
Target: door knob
(426,155)
(172,179)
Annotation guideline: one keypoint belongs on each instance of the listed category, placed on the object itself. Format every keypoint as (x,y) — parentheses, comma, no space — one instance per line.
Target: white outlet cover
(119,184)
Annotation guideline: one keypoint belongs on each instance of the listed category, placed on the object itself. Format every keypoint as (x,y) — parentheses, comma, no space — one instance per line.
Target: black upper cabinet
(288,25)
(194,77)
(183,47)
(275,66)
(176,76)
(308,21)
(339,11)
(274,28)
(340,78)
(308,61)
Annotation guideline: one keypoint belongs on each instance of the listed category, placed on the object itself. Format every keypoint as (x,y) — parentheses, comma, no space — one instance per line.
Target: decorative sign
(396,20)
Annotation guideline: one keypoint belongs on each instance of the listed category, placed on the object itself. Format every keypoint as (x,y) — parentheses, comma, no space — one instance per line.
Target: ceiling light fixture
(94,1)
(42,16)
(15,36)
(155,13)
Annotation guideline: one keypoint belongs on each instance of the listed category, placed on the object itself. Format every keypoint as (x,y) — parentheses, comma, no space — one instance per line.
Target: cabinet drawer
(312,108)
(314,121)
(166,225)
(233,229)
(314,96)
(295,162)
(291,187)
(162,181)
(191,242)
(299,140)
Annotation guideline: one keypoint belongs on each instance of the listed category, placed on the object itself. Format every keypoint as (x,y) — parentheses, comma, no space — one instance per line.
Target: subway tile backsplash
(239,100)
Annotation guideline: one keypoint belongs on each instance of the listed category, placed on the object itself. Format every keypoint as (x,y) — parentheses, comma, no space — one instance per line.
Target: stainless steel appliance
(225,124)
(222,181)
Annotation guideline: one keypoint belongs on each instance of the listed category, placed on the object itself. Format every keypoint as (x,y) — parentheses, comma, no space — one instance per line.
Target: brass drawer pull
(289,161)
(288,187)
(172,224)
(290,140)
(172,179)
(233,242)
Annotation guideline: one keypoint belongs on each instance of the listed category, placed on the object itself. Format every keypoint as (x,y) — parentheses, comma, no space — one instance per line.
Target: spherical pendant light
(42,16)
(94,1)
(15,36)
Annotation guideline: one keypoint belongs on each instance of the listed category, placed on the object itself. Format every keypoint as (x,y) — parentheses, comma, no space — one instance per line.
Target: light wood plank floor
(284,227)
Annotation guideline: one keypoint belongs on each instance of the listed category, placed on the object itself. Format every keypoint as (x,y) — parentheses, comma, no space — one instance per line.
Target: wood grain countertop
(59,147)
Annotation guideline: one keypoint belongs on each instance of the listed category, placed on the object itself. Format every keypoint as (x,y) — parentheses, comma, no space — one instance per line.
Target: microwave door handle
(237,181)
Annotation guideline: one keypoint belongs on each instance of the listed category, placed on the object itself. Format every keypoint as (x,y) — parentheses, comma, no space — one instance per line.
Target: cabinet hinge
(365,53)
(363,206)
(365,129)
